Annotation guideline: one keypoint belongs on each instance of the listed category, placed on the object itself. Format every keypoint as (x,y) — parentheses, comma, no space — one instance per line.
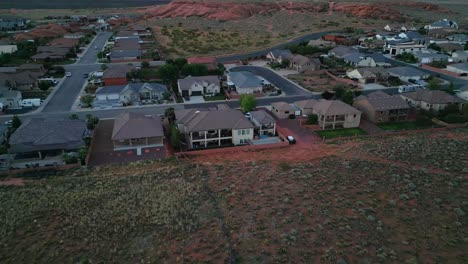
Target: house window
(286,112)
(238,132)
(241,141)
(354,115)
(243,132)
(247,131)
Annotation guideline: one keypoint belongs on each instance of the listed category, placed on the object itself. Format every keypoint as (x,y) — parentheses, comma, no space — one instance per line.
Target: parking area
(102,149)
(293,127)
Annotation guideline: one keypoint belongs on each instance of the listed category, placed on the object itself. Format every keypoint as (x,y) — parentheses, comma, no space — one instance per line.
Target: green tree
(466,46)
(59,70)
(145,64)
(44,85)
(433,84)
(180,62)
(91,121)
(406,57)
(434,46)
(87,100)
(348,97)
(248,102)
(175,137)
(73,116)
(100,55)
(104,67)
(166,95)
(312,119)
(170,114)
(15,122)
(339,90)
(169,73)
(194,70)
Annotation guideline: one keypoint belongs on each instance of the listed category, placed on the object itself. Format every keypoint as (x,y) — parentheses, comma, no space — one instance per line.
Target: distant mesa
(235,11)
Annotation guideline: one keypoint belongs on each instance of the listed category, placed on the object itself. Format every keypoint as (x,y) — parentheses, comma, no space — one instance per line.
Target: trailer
(30,102)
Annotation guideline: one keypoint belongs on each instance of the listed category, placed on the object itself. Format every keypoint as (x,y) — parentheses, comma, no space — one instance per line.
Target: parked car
(291,140)
(86,75)
(68,74)
(9,123)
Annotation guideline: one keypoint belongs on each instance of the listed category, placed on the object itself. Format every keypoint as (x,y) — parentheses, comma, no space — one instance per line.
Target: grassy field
(395,200)
(410,125)
(345,132)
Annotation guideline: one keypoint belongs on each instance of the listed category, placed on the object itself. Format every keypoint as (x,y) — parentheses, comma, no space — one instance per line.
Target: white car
(68,74)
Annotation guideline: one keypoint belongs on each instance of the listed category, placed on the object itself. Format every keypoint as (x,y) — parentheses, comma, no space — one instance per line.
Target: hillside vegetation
(396,200)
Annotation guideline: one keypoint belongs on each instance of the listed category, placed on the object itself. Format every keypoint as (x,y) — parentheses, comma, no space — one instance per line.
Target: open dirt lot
(399,199)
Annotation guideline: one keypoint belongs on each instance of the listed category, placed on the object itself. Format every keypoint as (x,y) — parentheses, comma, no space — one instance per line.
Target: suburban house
(444,23)
(8,23)
(20,80)
(431,100)
(451,47)
(264,123)
(380,107)
(137,131)
(303,64)
(306,106)
(428,57)
(282,110)
(359,60)
(126,35)
(117,75)
(461,56)
(245,82)
(379,59)
(51,53)
(125,55)
(399,28)
(279,55)
(342,51)
(321,43)
(37,69)
(368,75)
(406,73)
(200,85)
(336,114)
(396,47)
(213,128)
(130,93)
(9,99)
(458,38)
(141,31)
(460,68)
(126,49)
(74,35)
(48,139)
(210,62)
(7,47)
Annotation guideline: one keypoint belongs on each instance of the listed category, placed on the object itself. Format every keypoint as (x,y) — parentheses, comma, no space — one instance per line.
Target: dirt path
(12,182)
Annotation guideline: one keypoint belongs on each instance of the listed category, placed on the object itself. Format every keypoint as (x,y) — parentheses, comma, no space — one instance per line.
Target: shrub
(312,119)
(455,118)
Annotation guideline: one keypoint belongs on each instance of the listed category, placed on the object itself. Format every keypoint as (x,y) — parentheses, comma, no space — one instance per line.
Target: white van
(30,102)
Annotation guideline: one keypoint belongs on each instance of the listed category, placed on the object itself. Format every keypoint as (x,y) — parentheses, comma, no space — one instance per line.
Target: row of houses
(296,62)
(128,44)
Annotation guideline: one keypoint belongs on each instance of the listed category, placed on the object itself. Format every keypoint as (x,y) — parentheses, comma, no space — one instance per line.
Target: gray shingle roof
(244,79)
(39,134)
(111,89)
(334,107)
(432,97)
(283,53)
(188,81)
(405,71)
(306,104)
(133,126)
(203,120)
(381,101)
(262,117)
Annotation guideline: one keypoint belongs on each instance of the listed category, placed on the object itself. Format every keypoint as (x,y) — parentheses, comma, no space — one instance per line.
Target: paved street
(288,87)
(67,93)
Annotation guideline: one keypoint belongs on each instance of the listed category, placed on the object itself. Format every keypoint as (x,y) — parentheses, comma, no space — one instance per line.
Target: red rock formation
(47,31)
(233,11)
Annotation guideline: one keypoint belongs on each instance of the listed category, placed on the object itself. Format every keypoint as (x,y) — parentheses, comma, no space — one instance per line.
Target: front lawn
(407,125)
(215,98)
(345,132)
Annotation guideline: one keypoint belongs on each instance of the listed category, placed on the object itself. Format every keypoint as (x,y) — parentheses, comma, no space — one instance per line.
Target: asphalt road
(67,93)
(258,53)
(288,87)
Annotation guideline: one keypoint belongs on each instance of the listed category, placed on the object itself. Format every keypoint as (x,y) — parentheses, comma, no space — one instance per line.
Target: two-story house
(264,123)
(379,107)
(431,100)
(335,114)
(213,128)
(130,93)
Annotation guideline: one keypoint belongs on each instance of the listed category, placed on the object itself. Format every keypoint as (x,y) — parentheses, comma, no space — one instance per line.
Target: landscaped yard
(407,125)
(215,98)
(345,132)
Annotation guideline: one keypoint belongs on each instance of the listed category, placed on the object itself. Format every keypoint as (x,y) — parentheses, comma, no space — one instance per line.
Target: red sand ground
(12,182)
